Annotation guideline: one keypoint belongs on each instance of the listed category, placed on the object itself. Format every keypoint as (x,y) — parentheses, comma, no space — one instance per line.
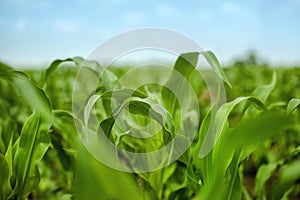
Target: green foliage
(32,145)
(293,104)
(245,148)
(95,180)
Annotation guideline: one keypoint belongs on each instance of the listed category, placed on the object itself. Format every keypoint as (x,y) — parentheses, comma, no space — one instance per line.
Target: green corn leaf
(202,165)
(249,134)
(128,98)
(138,106)
(34,96)
(292,105)
(106,183)
(33,144)
(263,174)
(185,65)
(213,165)
(65,138)
(234,189)
(4,108)
(93,78)
(32,181)
(245,137)
(168,172)
(64,113)
(241,138)
(110,80)
(9,159)
(220,122)
(55,64)
(4,176)
(262,93)
(155,181)
(288,175)
(122,94)
(254,131)
(92,69)
(5,71)
(214,63)
(119,95)
(9,155)
(277,104)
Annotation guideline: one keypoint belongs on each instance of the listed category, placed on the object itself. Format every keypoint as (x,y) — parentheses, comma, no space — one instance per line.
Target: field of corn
(257,154)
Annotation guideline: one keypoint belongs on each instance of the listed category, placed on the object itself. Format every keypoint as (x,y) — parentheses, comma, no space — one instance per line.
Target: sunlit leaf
(33,144)
(293,104)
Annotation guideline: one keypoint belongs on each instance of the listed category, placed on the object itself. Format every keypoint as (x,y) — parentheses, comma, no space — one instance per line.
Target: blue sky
(34,32)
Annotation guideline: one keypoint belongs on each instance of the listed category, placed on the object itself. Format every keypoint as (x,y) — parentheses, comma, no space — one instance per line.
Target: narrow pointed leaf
(33,144)
(214,63)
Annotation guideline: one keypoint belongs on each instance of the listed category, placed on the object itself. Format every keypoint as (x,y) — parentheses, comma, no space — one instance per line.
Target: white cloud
(99,2)
(20,24)
(66,25)
(204,15)
(28,4)
(133,19)
(230,8)
(165,10)
(297,2)
(2,22)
